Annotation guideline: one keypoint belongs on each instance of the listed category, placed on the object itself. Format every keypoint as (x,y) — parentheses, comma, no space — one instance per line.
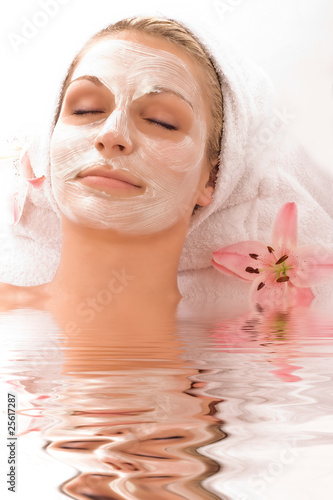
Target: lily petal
(37,182)
(26,164)
(300,296)
(16,210)
(269,296)
(279,295)
(314,266)
(224,270)
(234,259)
(284,233)
(17,201)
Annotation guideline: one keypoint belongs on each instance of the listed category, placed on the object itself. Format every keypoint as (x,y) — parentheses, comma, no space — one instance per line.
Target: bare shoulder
(6,290)
(13,296)
(7,296)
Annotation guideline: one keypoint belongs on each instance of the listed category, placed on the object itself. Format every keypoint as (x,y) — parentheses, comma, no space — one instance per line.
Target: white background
(291,39)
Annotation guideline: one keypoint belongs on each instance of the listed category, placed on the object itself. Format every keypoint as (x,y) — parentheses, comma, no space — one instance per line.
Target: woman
(141,106)
(144,98)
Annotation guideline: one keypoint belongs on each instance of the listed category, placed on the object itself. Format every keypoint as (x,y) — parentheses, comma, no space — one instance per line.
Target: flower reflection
(282,334)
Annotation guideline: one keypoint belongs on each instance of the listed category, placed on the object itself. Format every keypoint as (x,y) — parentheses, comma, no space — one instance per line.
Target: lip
(113,178)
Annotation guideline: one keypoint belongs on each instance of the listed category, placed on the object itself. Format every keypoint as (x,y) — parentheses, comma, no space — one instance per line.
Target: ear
(206,193)
(206,197)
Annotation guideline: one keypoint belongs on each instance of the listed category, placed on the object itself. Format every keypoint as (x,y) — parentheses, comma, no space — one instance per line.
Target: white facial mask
(169,168)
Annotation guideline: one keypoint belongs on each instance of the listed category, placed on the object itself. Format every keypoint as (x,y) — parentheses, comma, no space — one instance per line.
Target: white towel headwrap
(260,170)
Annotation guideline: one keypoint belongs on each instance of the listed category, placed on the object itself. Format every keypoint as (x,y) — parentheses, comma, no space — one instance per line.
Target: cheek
(71,150)
(168,155)
(179,159)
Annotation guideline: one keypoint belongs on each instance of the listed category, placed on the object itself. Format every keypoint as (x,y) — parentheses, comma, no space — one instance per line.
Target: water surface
(220,405)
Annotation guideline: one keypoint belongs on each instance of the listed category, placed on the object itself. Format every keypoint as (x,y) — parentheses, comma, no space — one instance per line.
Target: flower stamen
(281,259)
(282,279)
(254,255)
(261,285)
(251,270)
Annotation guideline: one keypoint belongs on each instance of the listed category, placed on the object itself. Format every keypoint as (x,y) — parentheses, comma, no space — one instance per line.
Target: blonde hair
(180,35)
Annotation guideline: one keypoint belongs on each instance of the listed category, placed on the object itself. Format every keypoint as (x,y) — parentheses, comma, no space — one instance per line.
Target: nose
(114,138)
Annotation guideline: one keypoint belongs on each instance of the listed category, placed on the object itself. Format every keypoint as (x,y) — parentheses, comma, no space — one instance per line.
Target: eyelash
(86,112)
(95,111)
(162,124)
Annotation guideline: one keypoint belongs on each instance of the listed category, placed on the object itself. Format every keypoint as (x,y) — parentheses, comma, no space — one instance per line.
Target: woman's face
(134,106)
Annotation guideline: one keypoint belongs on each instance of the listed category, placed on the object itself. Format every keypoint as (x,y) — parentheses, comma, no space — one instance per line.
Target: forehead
(138,66)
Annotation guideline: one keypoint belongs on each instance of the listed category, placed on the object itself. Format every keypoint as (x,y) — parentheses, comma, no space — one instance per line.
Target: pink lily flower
(28,173)
(18,198)
(281,273)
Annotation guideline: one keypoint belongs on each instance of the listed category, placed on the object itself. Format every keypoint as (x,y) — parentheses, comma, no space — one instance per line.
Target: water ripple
(225,407)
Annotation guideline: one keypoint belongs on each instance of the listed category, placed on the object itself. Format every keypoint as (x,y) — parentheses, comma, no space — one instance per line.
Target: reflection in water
(135,434)
(283,335)
(227,408)
(130,418)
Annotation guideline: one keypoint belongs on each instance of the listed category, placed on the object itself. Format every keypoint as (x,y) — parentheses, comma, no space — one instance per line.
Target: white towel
(260,170)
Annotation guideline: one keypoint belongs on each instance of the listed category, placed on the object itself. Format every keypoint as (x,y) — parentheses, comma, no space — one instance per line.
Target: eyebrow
(93,79)
(155,90)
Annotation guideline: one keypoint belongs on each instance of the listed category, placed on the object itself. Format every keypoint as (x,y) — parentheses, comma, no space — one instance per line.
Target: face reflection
(138,110)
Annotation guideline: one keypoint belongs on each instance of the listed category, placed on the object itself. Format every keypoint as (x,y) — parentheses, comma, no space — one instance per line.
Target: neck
(119,270)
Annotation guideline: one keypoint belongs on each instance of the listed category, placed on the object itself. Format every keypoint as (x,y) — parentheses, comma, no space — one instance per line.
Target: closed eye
(95,111)
(87,111)
(162,124)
